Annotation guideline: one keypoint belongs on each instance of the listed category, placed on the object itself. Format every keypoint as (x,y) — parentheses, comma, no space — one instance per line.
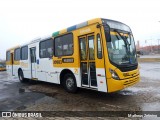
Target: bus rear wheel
(69,83)
(21,76)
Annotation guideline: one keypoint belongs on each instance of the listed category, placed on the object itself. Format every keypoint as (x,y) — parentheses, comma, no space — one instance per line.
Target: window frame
(80,41)
(89,47)
(40,47)
(21,52)
(72,46)
(97,46)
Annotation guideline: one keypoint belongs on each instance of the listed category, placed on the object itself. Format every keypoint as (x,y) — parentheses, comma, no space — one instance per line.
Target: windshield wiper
(124,39)
(126,43)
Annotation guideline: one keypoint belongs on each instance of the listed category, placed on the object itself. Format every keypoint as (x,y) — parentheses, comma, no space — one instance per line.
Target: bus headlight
(114,74)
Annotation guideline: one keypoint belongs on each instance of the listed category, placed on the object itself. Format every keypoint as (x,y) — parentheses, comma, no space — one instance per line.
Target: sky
(24,20)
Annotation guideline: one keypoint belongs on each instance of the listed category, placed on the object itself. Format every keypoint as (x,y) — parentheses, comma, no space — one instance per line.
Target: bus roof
(38,39)
(77,26)
(74,27)
(83,24)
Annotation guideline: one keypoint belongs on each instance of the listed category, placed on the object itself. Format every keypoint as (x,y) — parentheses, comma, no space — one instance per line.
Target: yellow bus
(98,54)
(2,66)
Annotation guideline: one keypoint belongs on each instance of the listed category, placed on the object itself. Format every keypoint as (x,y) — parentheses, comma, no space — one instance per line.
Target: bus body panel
(90,30)
(15,70)
(25,68)
(42,69)
(101,80)
(46,71)
(97,69)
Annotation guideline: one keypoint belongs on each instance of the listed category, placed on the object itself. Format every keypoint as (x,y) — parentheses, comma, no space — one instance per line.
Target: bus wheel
(70,83)
(21,76)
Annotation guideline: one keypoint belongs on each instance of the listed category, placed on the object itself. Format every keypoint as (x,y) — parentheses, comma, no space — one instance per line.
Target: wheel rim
(69,83)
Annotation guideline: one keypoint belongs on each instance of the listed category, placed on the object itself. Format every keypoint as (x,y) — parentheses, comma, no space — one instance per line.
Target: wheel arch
(63,73)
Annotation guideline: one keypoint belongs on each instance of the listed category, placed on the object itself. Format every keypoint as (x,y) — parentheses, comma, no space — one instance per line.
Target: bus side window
(63,45)
(99,47)
(17,54)
(24,53)
(46,48)
(8,56)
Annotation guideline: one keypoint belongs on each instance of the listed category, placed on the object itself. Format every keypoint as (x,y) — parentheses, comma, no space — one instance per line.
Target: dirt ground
(41,96)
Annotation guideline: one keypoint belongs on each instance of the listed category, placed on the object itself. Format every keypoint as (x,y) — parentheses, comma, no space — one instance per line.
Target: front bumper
(116,85)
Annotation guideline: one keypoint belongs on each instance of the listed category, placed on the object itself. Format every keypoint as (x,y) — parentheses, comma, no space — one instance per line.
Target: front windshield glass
(121,48)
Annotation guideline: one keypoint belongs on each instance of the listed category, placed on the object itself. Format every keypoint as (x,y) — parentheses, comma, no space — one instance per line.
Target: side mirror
(107,33)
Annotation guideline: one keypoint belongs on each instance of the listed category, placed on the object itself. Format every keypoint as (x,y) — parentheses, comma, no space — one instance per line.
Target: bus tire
(21,76)
(69,83)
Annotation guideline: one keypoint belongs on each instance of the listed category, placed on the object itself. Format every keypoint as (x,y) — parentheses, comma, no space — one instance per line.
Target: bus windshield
(121,48)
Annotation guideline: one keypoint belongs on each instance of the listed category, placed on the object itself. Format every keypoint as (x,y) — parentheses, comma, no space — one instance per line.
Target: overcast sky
(23,20)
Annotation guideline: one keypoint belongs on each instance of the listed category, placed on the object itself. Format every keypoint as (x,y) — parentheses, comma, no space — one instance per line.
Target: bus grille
(130,82)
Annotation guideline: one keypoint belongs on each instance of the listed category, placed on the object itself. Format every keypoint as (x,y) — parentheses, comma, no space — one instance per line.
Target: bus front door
(33,62)
(87,58)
